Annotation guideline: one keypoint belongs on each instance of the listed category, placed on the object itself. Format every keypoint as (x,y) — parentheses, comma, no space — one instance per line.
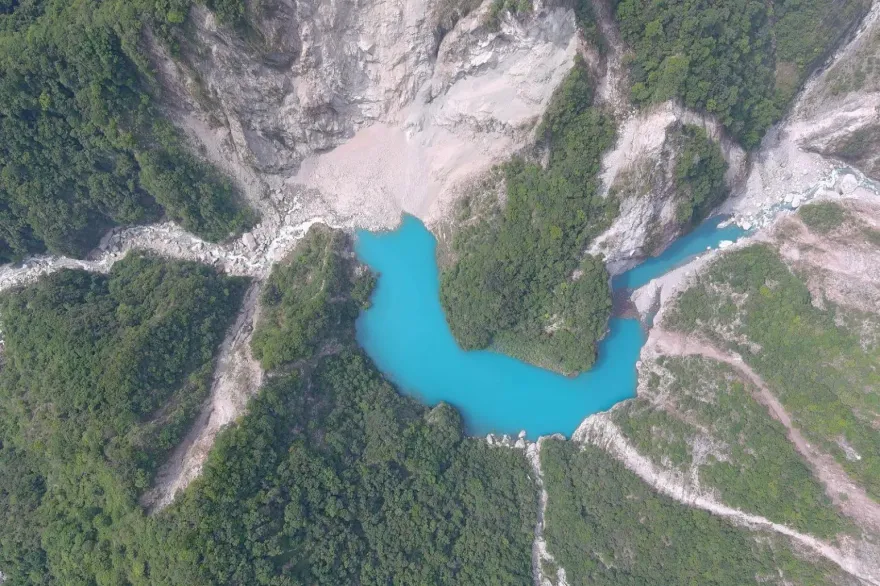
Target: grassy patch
(824,216)
(744,454)
(852,75)
(860,149)
(872,235)
(501,7)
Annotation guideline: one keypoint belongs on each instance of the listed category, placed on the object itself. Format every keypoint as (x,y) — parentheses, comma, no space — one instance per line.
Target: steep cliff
(361,111)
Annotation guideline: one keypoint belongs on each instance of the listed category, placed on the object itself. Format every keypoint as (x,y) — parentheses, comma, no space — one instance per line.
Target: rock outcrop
(640,172)
(359,111)
(344,113)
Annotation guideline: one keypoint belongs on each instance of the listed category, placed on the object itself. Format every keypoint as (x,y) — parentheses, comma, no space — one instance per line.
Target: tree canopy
(520,280)
(741,60)
(102,376)
(85,146)
(331,477)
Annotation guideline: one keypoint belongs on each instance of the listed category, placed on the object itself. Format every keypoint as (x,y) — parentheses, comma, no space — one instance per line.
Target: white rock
(848,184)
(329,116)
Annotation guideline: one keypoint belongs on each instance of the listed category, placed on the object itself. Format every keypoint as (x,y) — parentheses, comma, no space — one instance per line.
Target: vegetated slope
(699,175)
(101,376)
(331,477)
(741,60)
(816,355)
(519,279)
(335,478)
(84,145)
(669,169)
(605,526)
(309,298)
(697,417)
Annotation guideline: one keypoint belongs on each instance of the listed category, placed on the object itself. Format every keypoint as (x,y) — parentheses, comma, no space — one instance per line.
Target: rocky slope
(836,266)
(825,149)
(416,111)
(415,106)
(825,146)
(640,172)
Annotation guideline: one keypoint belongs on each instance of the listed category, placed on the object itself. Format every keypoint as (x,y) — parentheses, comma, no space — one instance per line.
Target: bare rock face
(359,111)
(640,173)
(840,108)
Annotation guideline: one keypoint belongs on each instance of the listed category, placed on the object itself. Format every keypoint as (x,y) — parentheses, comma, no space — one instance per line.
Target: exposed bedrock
(364,110)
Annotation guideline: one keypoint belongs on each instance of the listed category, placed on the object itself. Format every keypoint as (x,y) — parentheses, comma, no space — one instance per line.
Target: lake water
(406,334)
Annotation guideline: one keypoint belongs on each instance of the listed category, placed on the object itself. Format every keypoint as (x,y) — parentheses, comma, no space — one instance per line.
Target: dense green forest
(823,216)
(308,298)
(699,175)
(101,376)
(605,526)
(809,355)
(741,60)
(84,145)
(709,420)
(331,477)
(510,284)
(340,479)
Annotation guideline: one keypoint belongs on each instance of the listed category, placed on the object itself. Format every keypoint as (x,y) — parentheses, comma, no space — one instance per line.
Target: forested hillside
(699,175)
(607,527)
(101,377)
(84,144)
(709,427)
(332,477)
(806,350)
(511,284)
(741,60)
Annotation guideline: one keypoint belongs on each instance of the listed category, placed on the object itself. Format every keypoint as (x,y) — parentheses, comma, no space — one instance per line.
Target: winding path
(599,430)
(846,494)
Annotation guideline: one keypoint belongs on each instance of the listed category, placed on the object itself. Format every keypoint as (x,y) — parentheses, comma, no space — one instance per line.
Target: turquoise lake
(406,335)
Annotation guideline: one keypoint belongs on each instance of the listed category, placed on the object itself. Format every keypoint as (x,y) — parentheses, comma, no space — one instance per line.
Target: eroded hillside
(757,386)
